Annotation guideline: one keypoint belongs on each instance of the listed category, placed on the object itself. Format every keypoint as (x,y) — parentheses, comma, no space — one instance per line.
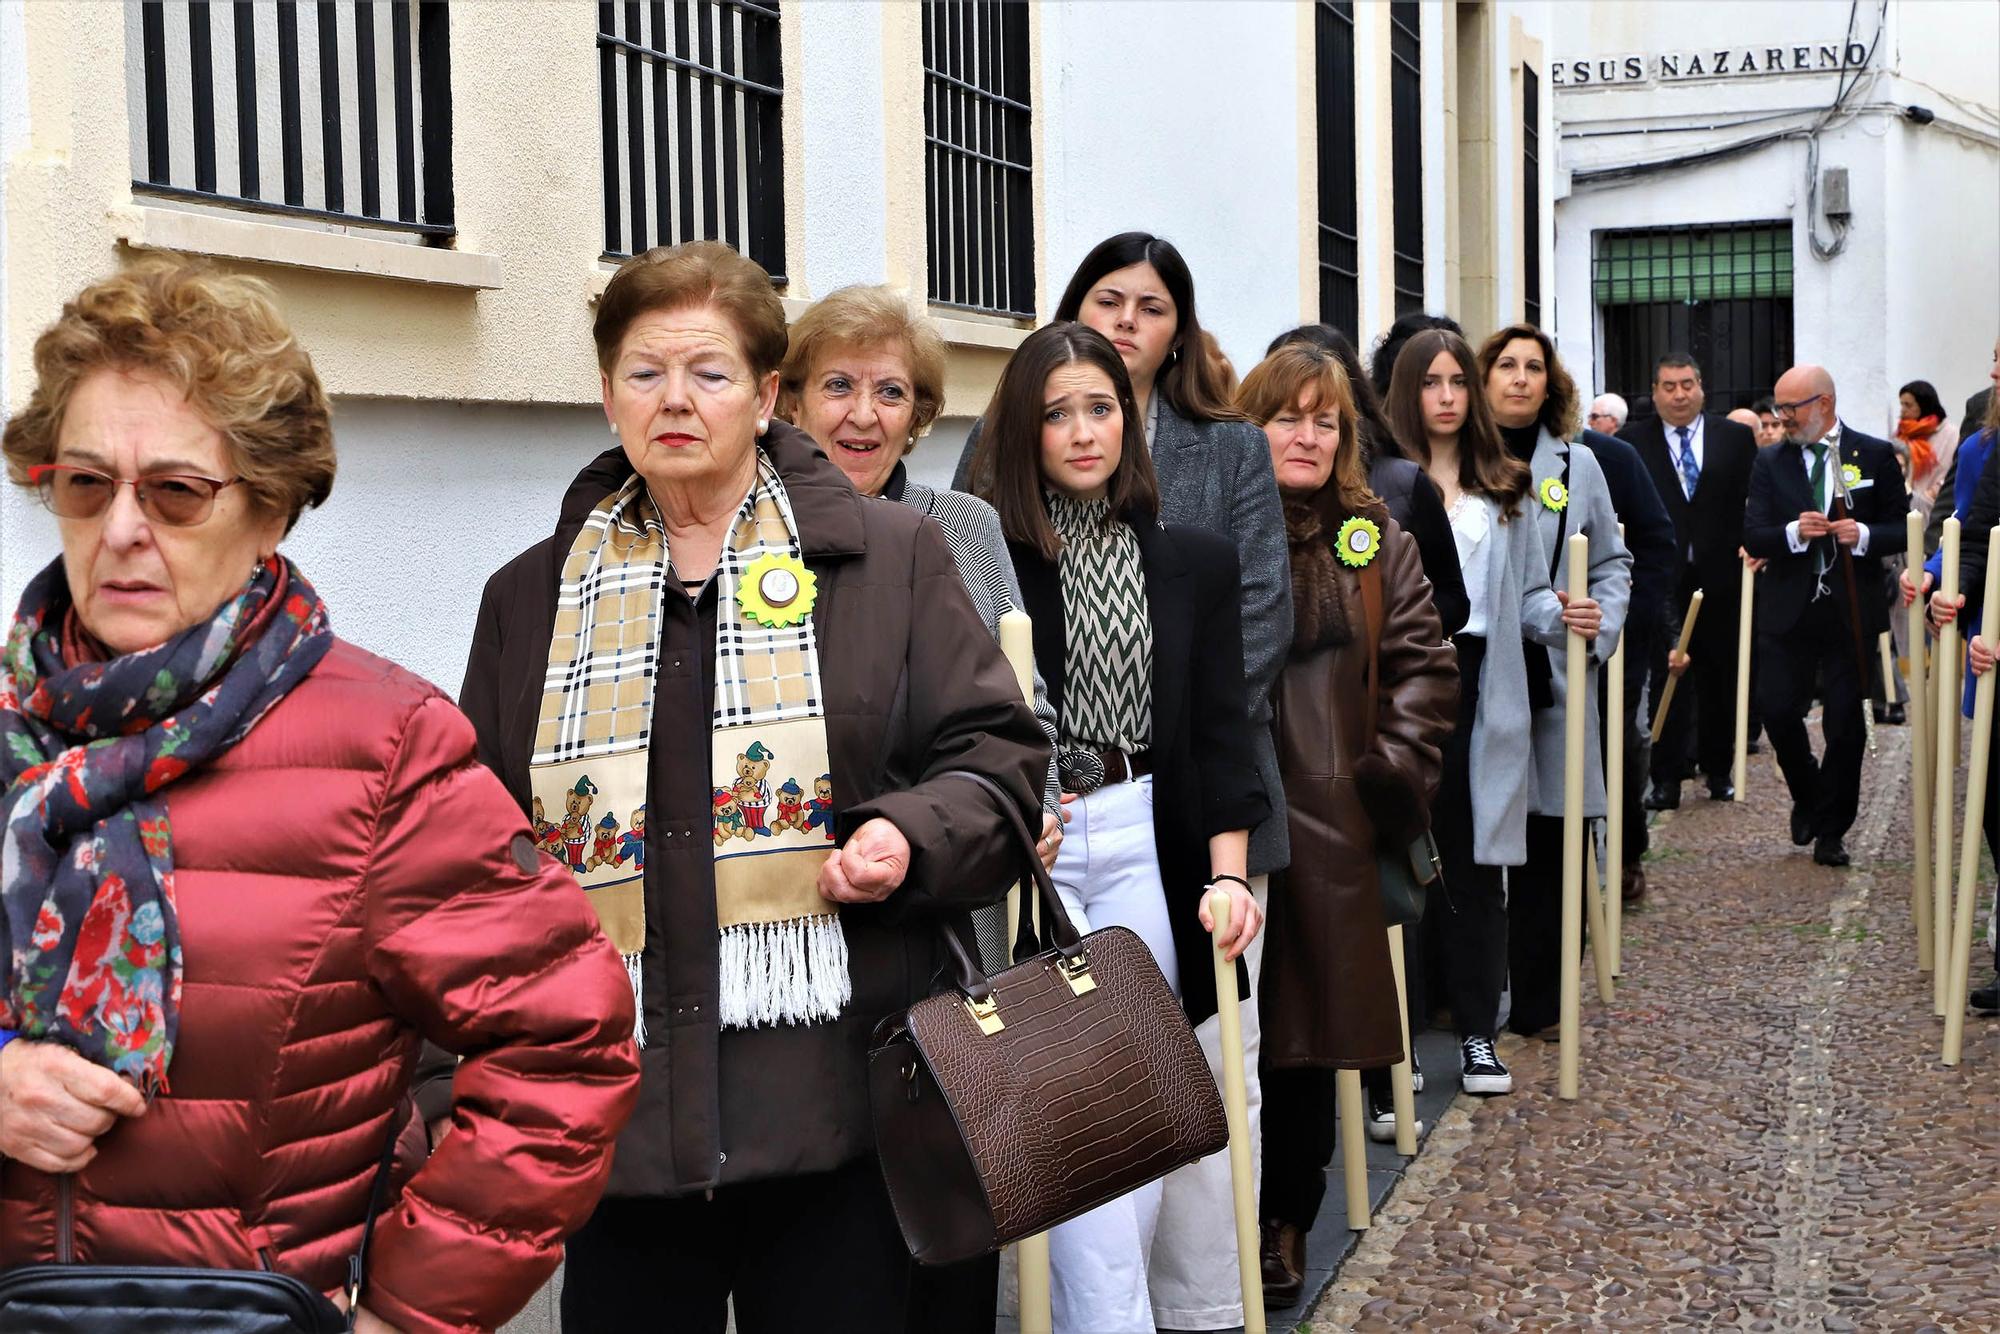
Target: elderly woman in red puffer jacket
(247,866)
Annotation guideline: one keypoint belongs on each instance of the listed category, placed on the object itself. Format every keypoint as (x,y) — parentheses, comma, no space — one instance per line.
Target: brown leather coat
(1328,995)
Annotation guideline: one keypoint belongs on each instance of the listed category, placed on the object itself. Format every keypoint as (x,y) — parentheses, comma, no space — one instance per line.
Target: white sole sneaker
(1487,1083)
(1382,1130)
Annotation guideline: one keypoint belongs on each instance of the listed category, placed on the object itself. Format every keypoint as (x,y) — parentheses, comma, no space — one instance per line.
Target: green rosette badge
(1358,542)
(1555,496)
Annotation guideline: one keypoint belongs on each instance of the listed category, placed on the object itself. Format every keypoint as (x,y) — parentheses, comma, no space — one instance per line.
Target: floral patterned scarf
(91,942)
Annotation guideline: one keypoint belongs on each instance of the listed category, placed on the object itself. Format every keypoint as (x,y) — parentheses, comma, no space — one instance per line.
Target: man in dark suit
(1825,508)
(1649,536)
(1700,464)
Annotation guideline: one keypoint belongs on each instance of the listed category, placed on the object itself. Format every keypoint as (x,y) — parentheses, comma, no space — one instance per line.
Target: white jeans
(1195,1280)
(1108,874)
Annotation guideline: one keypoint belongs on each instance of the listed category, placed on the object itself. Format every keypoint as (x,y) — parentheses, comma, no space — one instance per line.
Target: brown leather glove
(1397,811)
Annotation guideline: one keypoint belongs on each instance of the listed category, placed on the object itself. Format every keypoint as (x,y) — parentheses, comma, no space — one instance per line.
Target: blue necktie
(1690,470)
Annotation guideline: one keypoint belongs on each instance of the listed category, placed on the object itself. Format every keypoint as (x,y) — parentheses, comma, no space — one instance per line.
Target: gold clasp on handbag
(985,1013)
(1077,971)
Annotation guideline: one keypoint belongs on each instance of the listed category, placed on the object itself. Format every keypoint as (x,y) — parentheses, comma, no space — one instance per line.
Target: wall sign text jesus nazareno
(1722,62)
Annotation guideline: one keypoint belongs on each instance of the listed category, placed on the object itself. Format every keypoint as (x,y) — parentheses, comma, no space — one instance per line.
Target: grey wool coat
(1501,757)
(1217,476)
(1589,512)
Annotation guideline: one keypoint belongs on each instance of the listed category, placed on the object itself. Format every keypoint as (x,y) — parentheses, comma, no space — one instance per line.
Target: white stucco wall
(13,136)
(840,92)
(431,498)
(1914,292)
(1180,125)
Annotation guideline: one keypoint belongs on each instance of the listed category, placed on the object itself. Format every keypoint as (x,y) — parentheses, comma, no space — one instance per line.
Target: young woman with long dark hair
(1213,471)
(1437,409)
(1137,639)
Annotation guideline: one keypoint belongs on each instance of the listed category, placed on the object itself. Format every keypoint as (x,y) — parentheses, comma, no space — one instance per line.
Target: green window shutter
(1693,264)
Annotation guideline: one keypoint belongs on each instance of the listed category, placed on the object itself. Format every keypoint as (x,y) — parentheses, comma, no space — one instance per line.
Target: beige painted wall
(504,314)
(513,327)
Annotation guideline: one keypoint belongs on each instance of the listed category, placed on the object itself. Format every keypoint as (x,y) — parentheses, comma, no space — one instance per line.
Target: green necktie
(1822,546)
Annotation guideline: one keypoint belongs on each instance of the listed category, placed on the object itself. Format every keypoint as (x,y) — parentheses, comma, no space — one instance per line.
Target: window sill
(962,330)
(147,228)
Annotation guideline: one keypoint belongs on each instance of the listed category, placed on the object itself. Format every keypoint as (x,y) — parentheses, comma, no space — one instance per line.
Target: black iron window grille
(978,163)
(1406,135)
(691,97)
(338,110)
(1531,198)
(1339,211)
(1721,294)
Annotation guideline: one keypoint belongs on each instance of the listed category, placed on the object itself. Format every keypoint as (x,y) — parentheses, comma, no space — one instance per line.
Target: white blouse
(1473,519)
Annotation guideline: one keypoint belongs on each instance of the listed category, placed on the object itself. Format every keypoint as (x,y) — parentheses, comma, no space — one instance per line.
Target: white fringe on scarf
(792,972)
(637,975)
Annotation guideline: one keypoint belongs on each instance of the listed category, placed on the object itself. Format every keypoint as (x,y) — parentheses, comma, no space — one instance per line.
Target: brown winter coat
(914,686)
(1328,995)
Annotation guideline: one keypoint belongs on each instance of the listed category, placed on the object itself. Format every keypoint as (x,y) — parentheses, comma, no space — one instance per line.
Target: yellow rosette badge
(1357,542)
(1850,476)
(1555,496)
(777,590)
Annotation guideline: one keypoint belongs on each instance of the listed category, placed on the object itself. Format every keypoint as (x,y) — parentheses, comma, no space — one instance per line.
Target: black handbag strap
(1062,933)
(378,1194)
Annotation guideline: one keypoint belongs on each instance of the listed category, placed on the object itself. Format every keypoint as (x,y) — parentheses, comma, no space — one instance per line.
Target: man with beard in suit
(1700,464)
(1825,508)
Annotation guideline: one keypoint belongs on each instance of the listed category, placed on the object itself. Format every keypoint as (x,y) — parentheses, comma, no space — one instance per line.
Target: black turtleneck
(1521,440)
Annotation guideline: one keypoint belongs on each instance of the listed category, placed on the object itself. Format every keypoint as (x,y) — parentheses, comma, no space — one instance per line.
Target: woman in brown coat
(780,686)
(1362,709)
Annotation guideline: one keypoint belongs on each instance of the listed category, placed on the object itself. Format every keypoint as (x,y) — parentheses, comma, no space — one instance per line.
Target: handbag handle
(378,1191)
(971,978)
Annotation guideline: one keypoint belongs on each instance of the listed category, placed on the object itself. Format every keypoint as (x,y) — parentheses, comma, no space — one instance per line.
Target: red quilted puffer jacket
(350,880)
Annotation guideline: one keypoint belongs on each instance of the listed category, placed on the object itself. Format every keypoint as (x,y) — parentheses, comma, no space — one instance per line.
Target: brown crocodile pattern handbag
(1004,1106)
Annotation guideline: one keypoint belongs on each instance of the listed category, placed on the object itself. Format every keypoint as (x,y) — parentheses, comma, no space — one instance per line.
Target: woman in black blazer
(1137,637)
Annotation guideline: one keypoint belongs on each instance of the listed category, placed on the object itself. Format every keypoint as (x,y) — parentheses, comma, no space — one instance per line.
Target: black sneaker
(1480,1068)
(1986,1000)
(1381,1120)
(1416,1073)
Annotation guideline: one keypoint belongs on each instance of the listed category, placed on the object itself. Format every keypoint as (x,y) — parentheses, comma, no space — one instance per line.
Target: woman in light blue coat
(1534,401)
(1480,817)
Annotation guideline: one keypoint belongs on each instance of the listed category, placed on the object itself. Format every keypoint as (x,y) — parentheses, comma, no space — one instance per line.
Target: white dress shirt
(1674,457)
(1798,544)
(1674,449)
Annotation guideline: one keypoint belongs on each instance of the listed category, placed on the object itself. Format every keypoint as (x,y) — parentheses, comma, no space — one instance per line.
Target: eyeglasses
(1792,409)
(177,500)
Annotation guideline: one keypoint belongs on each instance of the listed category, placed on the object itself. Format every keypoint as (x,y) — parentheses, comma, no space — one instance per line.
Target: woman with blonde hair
(1361,712)
(863,375)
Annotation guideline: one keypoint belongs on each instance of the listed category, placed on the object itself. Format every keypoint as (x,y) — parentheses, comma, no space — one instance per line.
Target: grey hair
(1613,404)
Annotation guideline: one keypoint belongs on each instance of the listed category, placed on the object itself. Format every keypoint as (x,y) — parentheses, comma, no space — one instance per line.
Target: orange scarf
(1916,432)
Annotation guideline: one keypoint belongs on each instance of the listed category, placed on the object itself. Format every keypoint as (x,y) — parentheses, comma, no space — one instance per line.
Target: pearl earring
(763,425)
(614,432)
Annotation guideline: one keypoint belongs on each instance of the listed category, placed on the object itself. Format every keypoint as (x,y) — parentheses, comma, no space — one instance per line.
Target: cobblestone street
(1765,1137)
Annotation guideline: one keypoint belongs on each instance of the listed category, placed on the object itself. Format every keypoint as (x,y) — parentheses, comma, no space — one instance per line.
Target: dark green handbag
(1406,878)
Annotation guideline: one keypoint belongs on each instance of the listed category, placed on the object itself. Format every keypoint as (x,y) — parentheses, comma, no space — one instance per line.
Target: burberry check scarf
(782,955)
